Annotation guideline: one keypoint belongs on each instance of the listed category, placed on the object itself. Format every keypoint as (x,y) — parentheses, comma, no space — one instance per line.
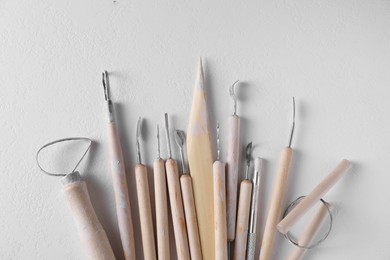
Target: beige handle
(121,192)
(244,203)
(232,165)
(220,211)
(309,233)
(162,227)
(310,200)
(191,220)
(91,232)
(178,219)
(145,212)
(277,200)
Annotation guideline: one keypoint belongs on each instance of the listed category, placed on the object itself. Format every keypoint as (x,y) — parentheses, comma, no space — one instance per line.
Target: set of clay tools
(213,216)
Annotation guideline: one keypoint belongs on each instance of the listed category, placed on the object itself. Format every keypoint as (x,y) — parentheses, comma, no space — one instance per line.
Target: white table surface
(333,56)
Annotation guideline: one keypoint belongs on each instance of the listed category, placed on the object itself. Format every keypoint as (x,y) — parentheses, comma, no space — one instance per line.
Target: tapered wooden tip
(199,84)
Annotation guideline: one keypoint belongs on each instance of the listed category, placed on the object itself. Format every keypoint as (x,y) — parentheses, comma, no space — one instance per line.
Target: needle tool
(188,201)
(161,200)
(275,211)
(175,198)
(310,200)
(92,235)
(220,206)
(244,203)
(200,160)
(117,164)
(145,209)
(232,165)
(250,255)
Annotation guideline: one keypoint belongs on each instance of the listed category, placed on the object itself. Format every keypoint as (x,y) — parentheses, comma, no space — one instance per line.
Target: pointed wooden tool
(201,165)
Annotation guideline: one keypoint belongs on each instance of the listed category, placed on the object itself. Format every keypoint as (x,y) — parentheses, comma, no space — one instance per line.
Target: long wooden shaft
(220,211)
(244,205)
(190,214)
(232,166)
(92,235)
(161,200)
(320,190)
(145,212)
(178,218)
(121,192)
(275,211)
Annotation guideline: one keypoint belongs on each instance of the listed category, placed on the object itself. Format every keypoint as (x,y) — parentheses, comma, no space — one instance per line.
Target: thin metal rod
(180,140)
(158,142)
(248,157)
(218,143)
(138,150)
(292,126)
(106,85)
(167,133)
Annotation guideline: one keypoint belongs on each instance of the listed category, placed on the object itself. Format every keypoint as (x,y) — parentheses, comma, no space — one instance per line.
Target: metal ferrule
(71,178)
(110,111)
(255,196)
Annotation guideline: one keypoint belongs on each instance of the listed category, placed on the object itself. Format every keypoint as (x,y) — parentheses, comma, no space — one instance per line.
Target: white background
(333,56)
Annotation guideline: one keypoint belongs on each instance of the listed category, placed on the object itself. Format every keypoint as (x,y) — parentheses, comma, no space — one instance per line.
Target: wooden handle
(191,220)
(122,200)
(233,157)
(91,232)
(162,227)
(200,158)
(276,205)
(145,212)
(244,203)
(309,233)
(310,200)
(220,211)
(178,219)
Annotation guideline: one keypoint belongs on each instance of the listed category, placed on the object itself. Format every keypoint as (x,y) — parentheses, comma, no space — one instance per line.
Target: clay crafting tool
(200,159)
(145,209)
(220,205)
(277,198)
(232,165)
(244,203)
(188,201)
(175,198)
(310,200)
(92,235)
(160,191)
(119,180)
(250,255)
(310,233)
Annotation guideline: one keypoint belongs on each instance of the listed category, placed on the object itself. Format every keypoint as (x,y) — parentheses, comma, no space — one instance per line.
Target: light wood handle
(191,220)
(276,205)
(91,232)
(122,200)
(244,204)
(161,200)
(232,160)
(310,200)
(220,211)
(309,233)
(178,219)
(145,212)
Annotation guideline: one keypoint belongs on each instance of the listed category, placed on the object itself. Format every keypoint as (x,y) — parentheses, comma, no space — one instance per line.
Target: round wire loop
(288,235)
(60,141)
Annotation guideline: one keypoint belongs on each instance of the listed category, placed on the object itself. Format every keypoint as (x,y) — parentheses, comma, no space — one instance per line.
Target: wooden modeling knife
(201,165)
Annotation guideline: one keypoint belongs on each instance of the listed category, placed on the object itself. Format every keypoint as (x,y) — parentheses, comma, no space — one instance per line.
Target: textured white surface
(333,56)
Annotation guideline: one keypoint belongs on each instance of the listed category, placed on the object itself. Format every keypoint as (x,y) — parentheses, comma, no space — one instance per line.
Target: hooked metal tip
(180,138)
(138,150)
(233,95)
(106,85)
(248,154)
(293,125)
